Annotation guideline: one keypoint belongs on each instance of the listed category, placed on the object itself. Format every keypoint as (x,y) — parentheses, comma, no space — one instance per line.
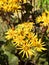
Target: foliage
(43,4)
(24,32)
(7,58)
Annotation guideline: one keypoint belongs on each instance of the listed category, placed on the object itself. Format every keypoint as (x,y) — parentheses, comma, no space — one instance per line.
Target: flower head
(25,41)
(10,34)
(40,46)
(9,5)
(44,18)
(26,50)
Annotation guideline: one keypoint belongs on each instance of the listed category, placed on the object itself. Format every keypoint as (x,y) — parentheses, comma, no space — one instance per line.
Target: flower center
(38,45)
(26,48)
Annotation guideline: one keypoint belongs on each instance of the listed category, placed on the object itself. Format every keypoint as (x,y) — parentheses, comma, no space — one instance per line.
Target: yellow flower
(38,19)
(10,34)
(34,40)
(27,25)
(18,40)
(30,35)
(24,28)
(9,5)
(40,46)
(21,32)
(26,50)
(25,41)
(44,18)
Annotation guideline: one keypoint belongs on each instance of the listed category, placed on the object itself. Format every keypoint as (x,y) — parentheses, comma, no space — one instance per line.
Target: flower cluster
(25,41)
(9,5)
(44,18)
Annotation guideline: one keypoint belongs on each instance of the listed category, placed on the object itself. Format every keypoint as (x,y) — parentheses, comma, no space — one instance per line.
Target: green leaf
(3,29)
(13,60)
(8,50)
